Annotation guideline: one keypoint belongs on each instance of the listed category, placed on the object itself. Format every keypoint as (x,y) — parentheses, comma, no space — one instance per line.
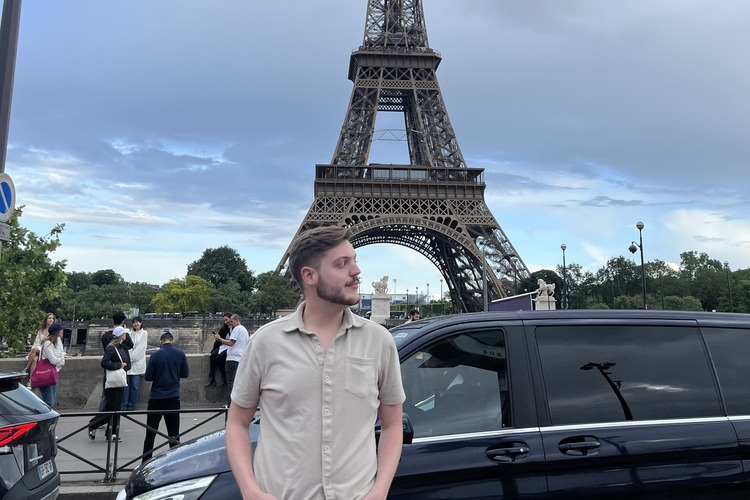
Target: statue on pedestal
(381,287)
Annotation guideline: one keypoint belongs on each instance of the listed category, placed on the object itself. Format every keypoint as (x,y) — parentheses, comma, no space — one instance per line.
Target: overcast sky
(155,129)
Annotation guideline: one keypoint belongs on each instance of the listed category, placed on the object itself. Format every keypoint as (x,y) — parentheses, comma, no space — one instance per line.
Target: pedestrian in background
(165,369)
(139,336)
(54,352)
(236,343)
(36,347)
(218,356)
(118,319)
(116,356)
(413,316)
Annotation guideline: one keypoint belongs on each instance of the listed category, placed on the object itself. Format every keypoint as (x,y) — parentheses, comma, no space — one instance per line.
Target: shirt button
(318,347)
(327,378)
(326,411)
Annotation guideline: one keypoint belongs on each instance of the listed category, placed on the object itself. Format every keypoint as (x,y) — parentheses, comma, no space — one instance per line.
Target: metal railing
(111,466)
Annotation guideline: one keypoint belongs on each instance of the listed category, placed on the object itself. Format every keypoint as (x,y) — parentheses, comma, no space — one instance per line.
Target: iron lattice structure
(435,205)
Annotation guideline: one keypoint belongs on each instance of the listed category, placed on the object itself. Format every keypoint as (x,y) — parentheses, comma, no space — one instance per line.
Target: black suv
(548,404)
(27,443)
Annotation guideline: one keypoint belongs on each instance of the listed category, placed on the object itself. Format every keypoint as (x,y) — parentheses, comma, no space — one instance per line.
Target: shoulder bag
(116,378)
(44,374)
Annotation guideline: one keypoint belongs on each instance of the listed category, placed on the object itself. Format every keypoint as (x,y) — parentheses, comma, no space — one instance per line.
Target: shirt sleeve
(389,383)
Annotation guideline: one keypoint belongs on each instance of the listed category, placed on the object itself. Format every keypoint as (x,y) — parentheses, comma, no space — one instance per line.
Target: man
(218,356)
(321,377)
(413,316)
(118,319)
(165,369)
(236,343)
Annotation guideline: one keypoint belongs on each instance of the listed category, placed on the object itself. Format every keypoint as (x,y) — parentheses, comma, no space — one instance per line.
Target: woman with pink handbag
(52,358)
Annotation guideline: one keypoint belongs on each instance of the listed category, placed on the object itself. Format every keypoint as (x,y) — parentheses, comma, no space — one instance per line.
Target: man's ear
(309,275)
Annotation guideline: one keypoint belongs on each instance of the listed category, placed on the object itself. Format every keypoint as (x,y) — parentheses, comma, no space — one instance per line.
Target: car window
(730,348)
(457,385)
(610,373)
(15,399)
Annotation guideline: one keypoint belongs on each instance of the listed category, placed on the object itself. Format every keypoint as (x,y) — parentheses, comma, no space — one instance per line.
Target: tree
(274,292)
(229,298)
(78,281)
(28,277)
(183,295)
(222,265)
(105,277)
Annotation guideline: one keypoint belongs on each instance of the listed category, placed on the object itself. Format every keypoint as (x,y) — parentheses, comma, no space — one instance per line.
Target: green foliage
(183,295)
(274,292)
(106,277)
(28,278)
(229,297)
(223,265)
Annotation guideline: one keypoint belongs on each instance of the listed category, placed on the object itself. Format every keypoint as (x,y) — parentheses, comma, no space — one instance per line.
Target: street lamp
(407,301)
(416,298)
(729,286)
(442,300)
(564,298)
(429,305)
(634,247)
(612,282)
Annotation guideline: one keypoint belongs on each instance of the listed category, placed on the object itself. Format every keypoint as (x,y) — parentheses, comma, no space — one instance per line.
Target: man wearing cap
(164,370)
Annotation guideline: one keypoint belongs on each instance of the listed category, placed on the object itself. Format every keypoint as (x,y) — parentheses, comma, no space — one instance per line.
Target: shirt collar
(295,323)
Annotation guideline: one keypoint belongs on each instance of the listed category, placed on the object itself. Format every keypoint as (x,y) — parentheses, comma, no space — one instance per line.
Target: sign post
(8,46)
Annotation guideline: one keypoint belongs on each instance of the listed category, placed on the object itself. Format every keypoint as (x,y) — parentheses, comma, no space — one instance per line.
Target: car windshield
(404,333)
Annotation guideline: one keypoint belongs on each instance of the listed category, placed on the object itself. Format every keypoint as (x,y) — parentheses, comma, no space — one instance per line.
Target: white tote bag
(116,378)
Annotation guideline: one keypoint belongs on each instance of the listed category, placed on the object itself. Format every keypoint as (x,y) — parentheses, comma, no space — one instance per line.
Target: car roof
(409,331)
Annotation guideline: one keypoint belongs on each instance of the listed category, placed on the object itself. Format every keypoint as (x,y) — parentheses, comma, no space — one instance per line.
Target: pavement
(82,462)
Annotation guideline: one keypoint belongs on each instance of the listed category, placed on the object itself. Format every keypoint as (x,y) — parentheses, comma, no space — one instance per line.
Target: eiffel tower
(435,204)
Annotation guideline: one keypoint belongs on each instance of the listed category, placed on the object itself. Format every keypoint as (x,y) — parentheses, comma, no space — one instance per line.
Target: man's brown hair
(310,247)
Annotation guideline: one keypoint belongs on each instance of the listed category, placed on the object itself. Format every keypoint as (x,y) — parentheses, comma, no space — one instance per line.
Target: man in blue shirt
(164,370)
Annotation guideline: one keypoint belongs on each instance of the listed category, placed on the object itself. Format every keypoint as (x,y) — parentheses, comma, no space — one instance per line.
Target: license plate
(46,469)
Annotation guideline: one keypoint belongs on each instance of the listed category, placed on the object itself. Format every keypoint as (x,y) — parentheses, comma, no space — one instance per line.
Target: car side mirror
(406,425)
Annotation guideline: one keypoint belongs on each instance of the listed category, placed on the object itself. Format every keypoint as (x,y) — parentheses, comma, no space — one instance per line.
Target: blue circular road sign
(7,197)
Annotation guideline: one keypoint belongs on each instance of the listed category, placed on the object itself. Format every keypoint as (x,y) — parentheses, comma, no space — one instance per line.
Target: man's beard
(334,295)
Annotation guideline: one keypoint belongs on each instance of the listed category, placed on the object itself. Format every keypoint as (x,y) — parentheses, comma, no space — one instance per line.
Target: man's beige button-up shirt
(318,407)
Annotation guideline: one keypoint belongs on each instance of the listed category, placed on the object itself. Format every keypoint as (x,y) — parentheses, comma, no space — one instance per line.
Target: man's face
(415,316)
(338,275)
(233,322)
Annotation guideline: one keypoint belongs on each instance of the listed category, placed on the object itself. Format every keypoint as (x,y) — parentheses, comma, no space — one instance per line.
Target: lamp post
(634,247)
(429,302)
(564,298)
(395,281)
(612,282)
(416,298)
(442,299)
(407,301)
(729,286)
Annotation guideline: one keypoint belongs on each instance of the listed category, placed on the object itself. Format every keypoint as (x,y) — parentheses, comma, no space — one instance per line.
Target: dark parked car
(558,404)
(27,443)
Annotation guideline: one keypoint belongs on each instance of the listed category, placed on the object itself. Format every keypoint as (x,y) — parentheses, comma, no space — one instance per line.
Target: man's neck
(323,318)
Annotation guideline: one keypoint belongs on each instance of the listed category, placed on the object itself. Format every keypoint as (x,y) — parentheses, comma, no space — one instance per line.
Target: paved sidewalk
(88,482)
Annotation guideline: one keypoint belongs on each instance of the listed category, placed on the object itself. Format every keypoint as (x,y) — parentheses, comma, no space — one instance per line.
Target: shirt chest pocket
(361,376)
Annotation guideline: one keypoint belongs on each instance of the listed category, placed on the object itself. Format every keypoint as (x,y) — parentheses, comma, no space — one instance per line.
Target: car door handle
(507,453)
(579,446)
